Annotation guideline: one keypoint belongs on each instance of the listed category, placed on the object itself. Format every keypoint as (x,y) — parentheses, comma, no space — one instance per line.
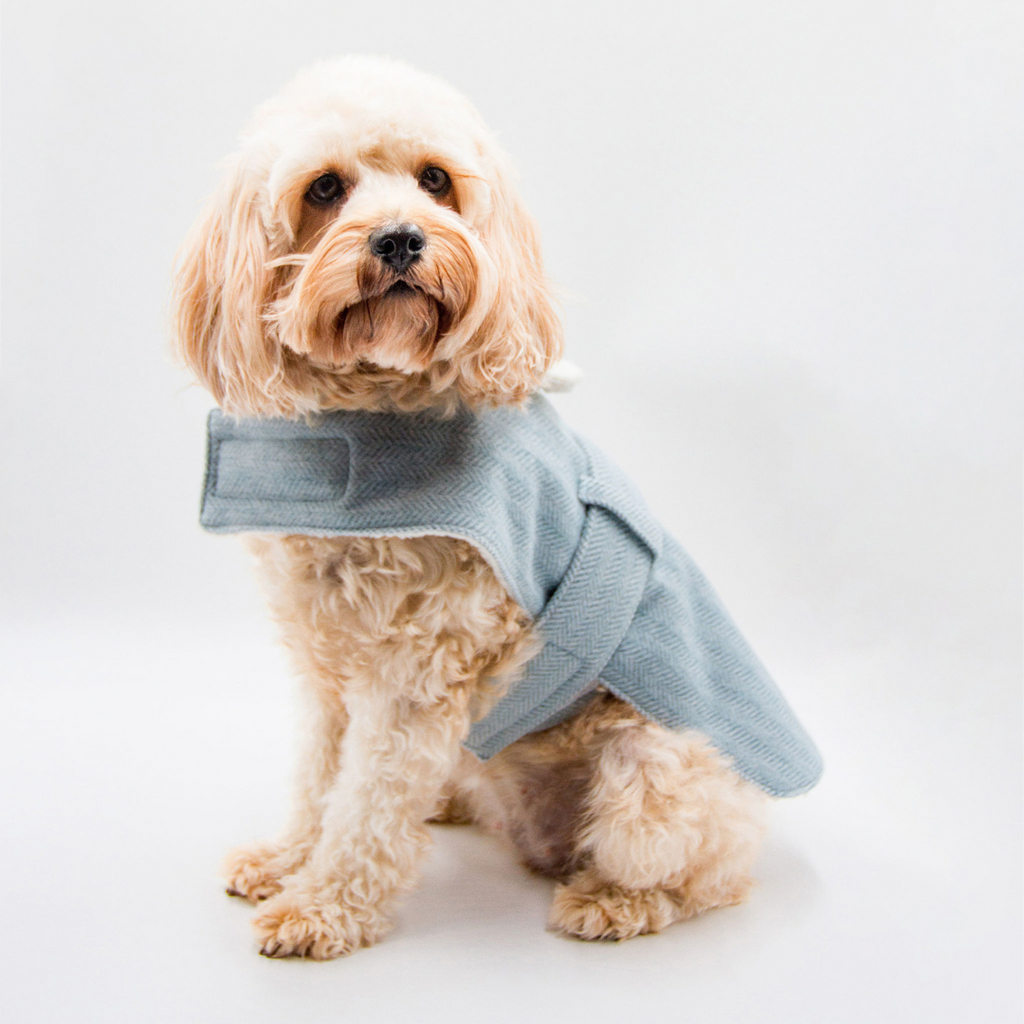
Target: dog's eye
(327,189)
(435,181)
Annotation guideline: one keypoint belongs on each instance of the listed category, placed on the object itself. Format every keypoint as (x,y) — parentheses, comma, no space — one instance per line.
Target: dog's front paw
(316,924)
(257,871)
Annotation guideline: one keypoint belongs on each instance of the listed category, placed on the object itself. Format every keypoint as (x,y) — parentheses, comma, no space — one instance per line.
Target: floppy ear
(221,286)
(521,336)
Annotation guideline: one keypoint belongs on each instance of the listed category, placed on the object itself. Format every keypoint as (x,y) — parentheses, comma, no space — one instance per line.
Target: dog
(367,260)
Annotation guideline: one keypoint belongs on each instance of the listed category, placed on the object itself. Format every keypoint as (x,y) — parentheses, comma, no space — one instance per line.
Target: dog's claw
(233,892)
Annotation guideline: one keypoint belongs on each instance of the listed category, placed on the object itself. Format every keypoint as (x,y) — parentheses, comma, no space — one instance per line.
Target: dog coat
(614,598)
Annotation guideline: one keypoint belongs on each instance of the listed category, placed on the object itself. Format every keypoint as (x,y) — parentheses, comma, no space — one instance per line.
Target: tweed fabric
(614,598)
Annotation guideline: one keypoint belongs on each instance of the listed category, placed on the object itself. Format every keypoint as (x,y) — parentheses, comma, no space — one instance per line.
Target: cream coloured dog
(367,249)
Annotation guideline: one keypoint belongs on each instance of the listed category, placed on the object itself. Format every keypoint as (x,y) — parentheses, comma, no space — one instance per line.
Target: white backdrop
(789,241)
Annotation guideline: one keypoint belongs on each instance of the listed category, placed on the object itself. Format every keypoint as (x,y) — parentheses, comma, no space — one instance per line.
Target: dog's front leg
(399,749)
(257,870)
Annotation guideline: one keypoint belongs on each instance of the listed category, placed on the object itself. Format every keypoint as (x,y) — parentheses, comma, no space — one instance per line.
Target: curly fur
(263,278)
(281,309)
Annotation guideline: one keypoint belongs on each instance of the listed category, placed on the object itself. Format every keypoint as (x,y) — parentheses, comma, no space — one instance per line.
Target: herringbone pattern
(568,535)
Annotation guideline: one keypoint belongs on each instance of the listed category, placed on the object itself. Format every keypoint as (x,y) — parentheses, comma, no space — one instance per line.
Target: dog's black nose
(398,245)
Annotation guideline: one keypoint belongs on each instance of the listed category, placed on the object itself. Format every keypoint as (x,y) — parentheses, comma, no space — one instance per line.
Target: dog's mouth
(398,328)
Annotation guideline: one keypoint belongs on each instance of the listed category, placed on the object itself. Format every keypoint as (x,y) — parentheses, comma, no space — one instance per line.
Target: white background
(789,238)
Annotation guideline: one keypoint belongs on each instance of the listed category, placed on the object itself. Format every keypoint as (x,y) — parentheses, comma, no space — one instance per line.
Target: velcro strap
(581,626)
(606,485)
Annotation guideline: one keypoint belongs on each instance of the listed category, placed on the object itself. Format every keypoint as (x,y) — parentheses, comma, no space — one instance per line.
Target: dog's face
(367,249)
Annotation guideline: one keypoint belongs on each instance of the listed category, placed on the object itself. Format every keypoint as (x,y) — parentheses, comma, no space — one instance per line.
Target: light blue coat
(615,599)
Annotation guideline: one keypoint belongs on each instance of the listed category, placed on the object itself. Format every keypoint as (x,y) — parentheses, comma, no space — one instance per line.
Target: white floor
(131,758)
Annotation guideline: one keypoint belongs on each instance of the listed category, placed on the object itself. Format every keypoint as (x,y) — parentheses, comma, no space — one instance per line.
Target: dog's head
(367,248)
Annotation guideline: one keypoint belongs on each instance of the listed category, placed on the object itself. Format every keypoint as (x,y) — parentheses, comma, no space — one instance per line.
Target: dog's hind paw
(588,911)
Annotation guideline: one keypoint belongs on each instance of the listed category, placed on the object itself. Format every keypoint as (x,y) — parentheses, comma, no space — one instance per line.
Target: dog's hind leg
(670,831)
(456,805)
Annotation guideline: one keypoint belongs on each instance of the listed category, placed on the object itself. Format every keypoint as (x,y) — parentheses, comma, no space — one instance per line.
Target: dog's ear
(221,286)
(522,336)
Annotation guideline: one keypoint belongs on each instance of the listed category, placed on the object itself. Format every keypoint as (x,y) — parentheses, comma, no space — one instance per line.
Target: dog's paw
(257,871)
(610,912)
(317,925)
